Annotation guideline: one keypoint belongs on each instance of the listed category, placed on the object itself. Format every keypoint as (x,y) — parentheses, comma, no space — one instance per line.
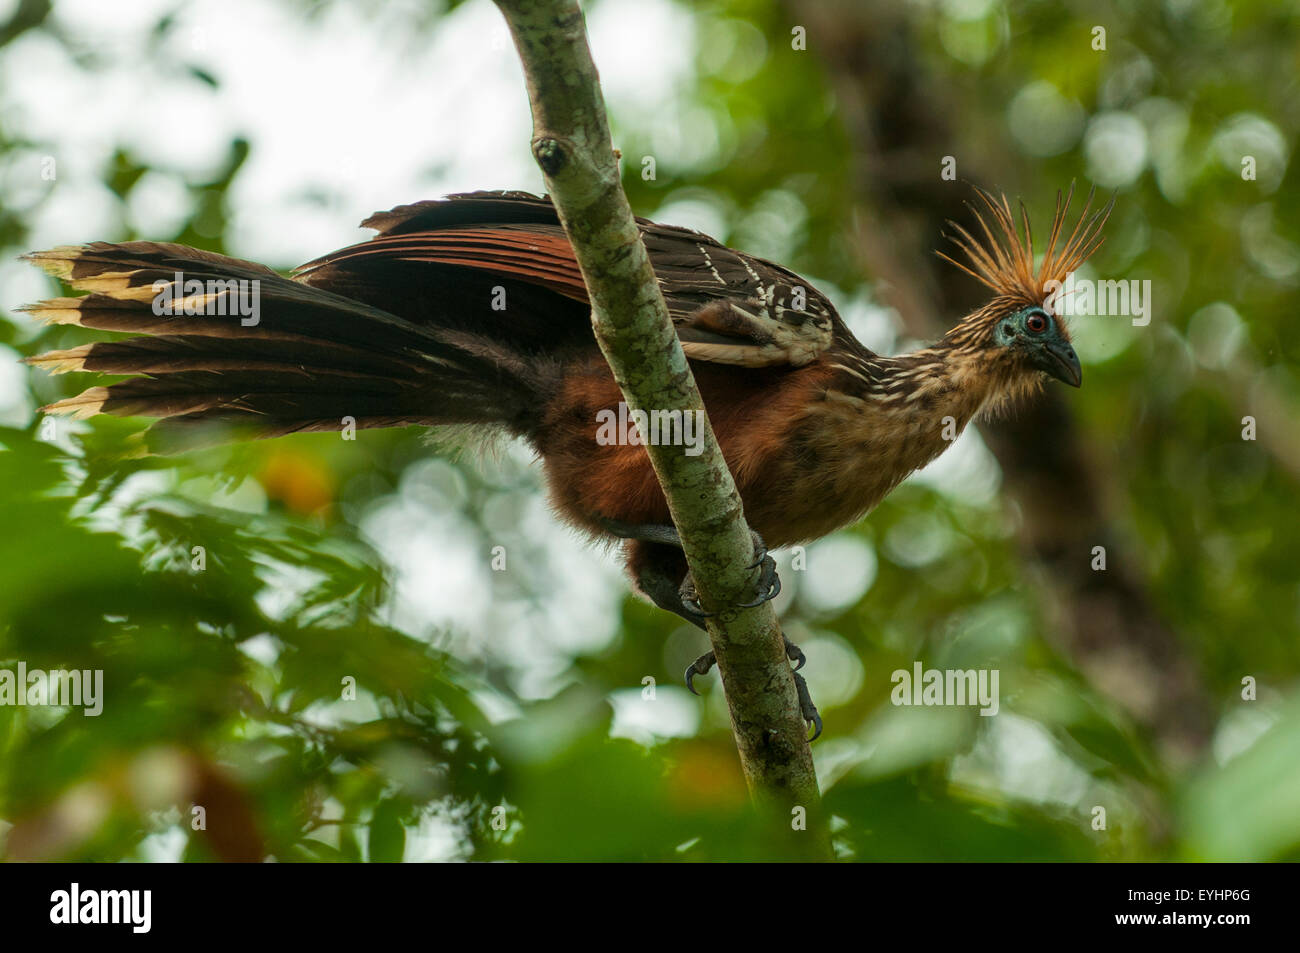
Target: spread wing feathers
(537,254)
(465,208)
(772,317)
(304,359)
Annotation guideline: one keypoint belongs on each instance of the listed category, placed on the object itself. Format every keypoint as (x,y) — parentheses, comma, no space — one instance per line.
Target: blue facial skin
(1037,336)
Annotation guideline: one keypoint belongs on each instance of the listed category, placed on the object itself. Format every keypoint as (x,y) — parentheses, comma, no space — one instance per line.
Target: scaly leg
(705,662)
(684,601)
(657,564)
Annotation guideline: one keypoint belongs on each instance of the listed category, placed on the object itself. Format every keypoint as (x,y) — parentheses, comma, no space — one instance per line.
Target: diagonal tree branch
(571,142)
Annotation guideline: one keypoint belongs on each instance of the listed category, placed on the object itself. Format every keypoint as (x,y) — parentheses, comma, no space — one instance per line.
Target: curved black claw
(794,654)
(768,584)
(807,708)
(690,600)
(704,664)
(700,666)
(693,608)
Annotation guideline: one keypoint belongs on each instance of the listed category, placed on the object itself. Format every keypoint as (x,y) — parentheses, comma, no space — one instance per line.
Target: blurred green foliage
(227,685)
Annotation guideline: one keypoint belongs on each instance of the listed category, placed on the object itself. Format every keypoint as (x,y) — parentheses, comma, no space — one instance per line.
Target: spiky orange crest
(1004,260)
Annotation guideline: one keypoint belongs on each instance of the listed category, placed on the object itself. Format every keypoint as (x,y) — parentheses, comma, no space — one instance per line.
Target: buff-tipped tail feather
(307,359)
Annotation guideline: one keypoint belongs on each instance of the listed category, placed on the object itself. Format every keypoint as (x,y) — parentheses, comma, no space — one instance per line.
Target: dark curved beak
(1060,361)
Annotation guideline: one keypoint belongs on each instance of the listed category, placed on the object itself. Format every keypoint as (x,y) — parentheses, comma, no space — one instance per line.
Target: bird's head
(1017,338)
(1032,339)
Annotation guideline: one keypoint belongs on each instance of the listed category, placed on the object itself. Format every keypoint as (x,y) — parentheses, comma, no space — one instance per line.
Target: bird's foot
(704,664)
(806,707)
(701,666)
(766,587)
(691,601)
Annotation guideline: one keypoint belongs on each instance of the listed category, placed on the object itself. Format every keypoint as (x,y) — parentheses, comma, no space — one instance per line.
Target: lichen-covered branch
(571,143)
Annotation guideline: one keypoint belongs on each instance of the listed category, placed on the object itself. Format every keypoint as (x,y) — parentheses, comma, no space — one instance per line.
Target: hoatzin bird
(408,328)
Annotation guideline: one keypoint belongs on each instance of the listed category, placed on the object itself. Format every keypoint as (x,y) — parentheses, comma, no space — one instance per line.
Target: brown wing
(729,308)
(733,308)
(538,254)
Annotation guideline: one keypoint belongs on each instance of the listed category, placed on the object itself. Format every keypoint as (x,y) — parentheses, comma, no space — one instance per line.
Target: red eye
(1037,323)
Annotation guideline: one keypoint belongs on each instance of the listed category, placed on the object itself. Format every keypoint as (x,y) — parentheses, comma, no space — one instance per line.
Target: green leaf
(387,834)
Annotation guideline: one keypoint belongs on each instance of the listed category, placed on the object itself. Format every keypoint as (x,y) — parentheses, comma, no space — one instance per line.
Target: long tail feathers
(303,359)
